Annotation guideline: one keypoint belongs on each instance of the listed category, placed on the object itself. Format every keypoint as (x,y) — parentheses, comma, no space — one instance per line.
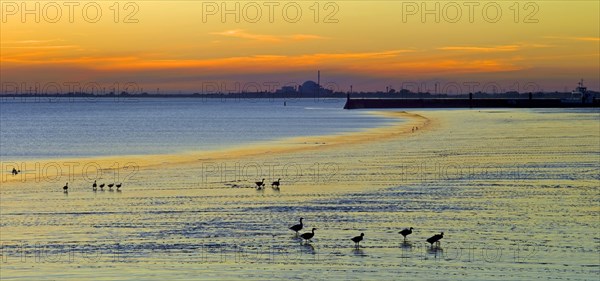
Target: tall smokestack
(318,82)
(319,77)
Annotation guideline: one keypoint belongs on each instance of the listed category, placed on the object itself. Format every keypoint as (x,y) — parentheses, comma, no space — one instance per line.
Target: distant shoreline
(271,95)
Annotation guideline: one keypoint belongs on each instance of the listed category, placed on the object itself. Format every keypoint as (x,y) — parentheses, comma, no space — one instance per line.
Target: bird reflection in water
(308,249)
(436,251)
(406,245)
(358,252)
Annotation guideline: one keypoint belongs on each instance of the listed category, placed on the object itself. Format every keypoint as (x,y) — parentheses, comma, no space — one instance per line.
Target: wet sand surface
(514,191)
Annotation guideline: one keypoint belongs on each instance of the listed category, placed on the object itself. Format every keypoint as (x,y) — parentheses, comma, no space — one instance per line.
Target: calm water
(65,128)
(515,191)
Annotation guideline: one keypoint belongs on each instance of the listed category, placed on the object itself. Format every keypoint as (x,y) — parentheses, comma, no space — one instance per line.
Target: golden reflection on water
(514,191)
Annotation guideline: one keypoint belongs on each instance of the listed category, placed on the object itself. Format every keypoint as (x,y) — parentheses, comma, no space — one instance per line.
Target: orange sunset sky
(178,45)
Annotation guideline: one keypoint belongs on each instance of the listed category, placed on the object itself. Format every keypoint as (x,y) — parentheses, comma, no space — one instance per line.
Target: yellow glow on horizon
(381,39)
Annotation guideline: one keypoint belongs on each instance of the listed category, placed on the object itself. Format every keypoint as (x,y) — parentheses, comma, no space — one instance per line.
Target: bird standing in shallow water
(435,239)
(405,232)
(66,187)
(260,184)
(357,240)
(297,227)
(275,184)
(102,187)
(309,235)
(94,186)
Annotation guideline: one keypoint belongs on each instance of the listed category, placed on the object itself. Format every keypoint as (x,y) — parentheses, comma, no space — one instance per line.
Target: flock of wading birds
(309,235)
(405,232)
(306,236)
(95,187)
